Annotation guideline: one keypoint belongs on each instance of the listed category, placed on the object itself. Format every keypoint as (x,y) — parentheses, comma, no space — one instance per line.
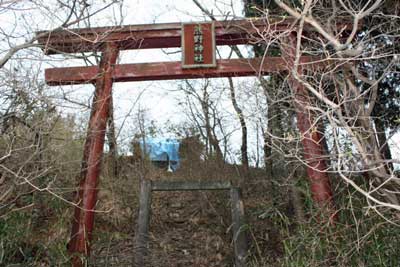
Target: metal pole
(310,137)
(82,225)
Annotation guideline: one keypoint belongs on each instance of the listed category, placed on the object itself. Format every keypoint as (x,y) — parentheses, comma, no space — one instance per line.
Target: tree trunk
(112,142)
(269,164)
(267,154)
(383,142)
(211,138)
(322,129)
(239,112)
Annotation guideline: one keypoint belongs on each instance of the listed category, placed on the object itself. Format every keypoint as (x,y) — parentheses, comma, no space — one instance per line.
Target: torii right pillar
(310,137)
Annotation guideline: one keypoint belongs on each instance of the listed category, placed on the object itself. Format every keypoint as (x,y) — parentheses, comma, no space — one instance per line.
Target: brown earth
(187,228)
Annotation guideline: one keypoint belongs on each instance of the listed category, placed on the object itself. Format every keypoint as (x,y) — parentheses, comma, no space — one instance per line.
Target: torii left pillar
(86,198)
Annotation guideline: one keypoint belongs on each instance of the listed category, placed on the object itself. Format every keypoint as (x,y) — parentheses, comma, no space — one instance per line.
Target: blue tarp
(162,150)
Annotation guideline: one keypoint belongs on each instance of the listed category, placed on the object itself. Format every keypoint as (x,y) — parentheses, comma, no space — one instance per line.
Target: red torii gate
(110,40)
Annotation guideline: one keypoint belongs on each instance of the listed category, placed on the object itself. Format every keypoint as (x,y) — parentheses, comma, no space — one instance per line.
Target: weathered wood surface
(86,198)
(173,70)
(240,240)
(314,155)
(141,237)
(233,32)
(190,185)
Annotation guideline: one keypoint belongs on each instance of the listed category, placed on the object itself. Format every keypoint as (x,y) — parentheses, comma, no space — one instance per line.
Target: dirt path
(189,228)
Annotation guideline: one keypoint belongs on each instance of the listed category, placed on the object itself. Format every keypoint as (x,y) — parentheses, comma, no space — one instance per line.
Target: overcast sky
(157,97)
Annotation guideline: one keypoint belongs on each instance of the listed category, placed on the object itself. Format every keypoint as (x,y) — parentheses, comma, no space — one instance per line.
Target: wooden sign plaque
(198,45)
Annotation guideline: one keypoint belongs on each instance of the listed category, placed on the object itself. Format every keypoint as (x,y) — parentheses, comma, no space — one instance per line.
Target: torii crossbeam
(110,40)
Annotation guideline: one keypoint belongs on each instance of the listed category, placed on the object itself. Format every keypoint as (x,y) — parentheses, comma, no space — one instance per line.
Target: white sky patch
(159,97)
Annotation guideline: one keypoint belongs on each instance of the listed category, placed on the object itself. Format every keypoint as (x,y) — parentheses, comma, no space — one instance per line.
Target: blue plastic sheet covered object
(162,150)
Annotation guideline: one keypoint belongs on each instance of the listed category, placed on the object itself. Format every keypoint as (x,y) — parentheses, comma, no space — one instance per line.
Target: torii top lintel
(165,35)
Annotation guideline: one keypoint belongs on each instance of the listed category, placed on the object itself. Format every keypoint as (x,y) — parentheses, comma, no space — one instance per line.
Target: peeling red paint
(165,35)
(111,40)
(311,138)
(87,195)
(173,70)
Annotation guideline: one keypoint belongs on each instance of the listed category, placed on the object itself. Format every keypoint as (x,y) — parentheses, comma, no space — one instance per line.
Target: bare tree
(240,115)
(204,113)
(348,107)
(67,13)
(40,146)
